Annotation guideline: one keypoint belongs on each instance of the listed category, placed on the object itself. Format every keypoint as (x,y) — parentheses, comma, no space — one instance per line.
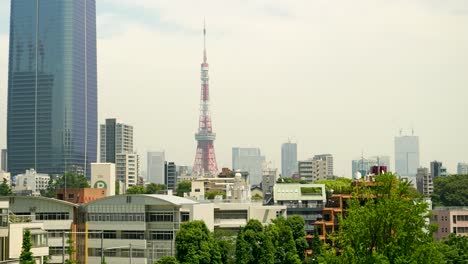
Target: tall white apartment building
(313,170)
(424,182)
(328,158)
(31,180)
(126,169)
(116,138)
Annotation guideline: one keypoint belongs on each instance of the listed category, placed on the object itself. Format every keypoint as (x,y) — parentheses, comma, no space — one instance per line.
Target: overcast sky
(335,76)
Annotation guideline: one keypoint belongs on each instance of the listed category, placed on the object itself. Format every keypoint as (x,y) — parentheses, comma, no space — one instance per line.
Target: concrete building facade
(462,168)
(116,138)
(437,169)
(313,170)
(155,167)
(103,175)
(450,220)
(328,158)
(126,169)
(170,175)
(424,182)
(31,180)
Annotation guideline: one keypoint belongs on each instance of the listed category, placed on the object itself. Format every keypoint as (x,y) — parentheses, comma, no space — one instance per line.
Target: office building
(328,158)
(270,176)
(155,167)
(363,166)
(406,155)
(116,138)
(305,200)
(103,175)
(170,175)
(52,86)
(450,220)
(4,160)
(424,182)
(313,170)
(288,159)
(249,160)
(31,180)
(462,168)
(126,169)
(437,169)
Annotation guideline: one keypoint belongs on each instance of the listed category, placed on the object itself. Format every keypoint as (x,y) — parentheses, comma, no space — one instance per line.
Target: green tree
(281,235)
(154,188)
(183,187)
(384,224)
(316,244)
(254,245)
(340,185)
(26,256)
(117,187)
(297,223)
(5,189)
(212,194)
(451,190)
(167,260)
(227,245)
(455,249)
(195,244)
(69,179)
(136,190)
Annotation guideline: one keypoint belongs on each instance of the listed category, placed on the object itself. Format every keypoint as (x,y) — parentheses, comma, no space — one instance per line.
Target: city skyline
(342,60)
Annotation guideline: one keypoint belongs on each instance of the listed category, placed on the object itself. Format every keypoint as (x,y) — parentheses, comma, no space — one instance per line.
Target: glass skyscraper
(288,159)
(406,155)
(52,86)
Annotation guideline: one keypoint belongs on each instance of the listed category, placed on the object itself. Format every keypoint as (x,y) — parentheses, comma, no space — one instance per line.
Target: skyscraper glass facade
(52,86)
(406,155)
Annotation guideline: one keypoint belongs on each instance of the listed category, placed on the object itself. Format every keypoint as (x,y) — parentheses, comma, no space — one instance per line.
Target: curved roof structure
(158,198)
(39,198)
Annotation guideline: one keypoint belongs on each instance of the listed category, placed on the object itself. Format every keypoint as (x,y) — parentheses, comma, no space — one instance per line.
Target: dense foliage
(151,188)
(167,260)
(5,189)
(340,185)
(183,187)
(195,244)
(26,256)
(451,190)
(254,245)
(70,180)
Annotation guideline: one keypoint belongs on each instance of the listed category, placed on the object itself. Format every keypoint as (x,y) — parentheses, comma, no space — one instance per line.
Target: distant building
(328,158)
(126,169)
(363,166)
(80,195)
(313,170)
(170,175)
(288,159)
(31,180)
(249,160)
(4,160)
(406,155)
(116,138)
(437,169)
(103,175)
(424,182)
(453,219)
(305,200)
(155,170)
(462,168)
(268,183)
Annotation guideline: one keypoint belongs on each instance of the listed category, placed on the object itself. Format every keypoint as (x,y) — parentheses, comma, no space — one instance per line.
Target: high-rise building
(205,158)
(462,168)
(437,169)
(328,158)
(288,159)
(249,160)
(363,166)
(116,138)
(170,175)
(126,169)
(155,167)
(406,155)
(313,170)
(424,182)
(52,86)
(4,160)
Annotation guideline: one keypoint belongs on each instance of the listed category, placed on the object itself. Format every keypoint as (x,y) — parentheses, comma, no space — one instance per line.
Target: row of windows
(150,217)
(152,235)
(460,230)
(460,218)
(117,252)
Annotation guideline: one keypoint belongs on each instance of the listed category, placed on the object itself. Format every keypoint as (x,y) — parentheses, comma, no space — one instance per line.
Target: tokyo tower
(205,159)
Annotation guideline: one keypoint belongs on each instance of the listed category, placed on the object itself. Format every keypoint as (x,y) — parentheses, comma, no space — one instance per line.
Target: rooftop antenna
(204,41)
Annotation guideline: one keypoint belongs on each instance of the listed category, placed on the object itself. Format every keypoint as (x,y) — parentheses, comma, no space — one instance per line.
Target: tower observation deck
(205,158)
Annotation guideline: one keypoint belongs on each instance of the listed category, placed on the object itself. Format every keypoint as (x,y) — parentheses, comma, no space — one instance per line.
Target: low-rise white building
(31,180)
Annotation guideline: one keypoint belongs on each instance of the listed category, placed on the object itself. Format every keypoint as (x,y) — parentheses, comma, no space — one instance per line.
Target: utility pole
(130,253)
(63,247)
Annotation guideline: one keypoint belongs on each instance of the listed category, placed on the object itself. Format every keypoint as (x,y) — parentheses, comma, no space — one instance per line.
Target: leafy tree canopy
(5,189)
(69,179)
(151,188)
(195,244)
(26,256)
(167,260)
(340,185)
(451,190)
(254,245)
(183,187)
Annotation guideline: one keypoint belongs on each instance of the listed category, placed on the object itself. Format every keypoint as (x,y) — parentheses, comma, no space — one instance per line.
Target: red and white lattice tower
(205,159)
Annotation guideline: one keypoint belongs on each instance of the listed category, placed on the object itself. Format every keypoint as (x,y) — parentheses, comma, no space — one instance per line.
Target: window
(71,196)
(160,217)
(185,216)
(133,235)
(161,235)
